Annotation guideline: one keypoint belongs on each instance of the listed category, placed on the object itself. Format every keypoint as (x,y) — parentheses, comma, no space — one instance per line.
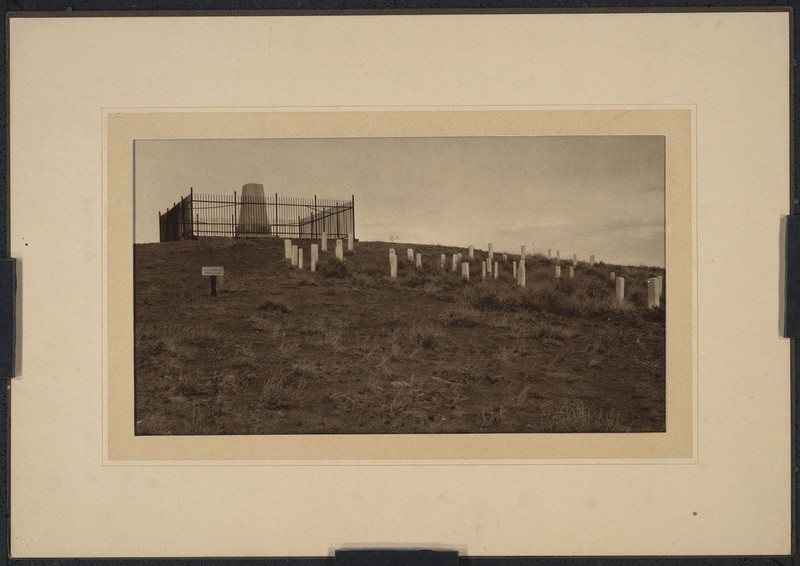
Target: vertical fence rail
(202,214)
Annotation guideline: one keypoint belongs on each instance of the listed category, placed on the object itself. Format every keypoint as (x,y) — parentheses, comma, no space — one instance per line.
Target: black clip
(8,291)
(792,267)
(397,557)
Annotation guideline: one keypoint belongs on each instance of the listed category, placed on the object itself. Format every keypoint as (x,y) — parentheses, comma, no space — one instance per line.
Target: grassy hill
(350,350)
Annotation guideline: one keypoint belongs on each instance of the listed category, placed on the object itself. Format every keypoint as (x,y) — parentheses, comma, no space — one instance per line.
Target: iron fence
(202,214)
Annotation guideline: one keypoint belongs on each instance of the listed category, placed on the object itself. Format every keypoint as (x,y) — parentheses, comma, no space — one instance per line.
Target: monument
(253,220)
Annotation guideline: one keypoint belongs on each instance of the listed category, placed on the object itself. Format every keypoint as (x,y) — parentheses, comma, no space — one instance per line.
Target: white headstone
(522,251)
(323,241)
(287,249)
(339,250)
(521,274)
(455,262)
(613,276)
(620,288)
(410,254)
(419,259)
(393,264)
(660,287)
(471,252)
(574,259)
(491,252)
(483,270)
(496,269)
(514,269)
(350,238)
(591,260)
(442,261)
(300,258)
(652,293)
(294,255)
(465,270)
(572,272)
(558,271)
(505,257)
(314,256)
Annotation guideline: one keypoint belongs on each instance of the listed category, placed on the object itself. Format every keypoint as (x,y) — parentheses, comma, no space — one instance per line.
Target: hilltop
(350,350)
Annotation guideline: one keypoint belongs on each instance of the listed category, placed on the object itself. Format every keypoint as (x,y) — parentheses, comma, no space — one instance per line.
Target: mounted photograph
(400,285)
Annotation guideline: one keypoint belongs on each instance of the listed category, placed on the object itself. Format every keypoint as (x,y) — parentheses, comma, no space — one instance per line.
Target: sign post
(213,272)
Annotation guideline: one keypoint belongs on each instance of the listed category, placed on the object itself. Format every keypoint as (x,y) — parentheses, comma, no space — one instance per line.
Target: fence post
(277,223)
(353,215)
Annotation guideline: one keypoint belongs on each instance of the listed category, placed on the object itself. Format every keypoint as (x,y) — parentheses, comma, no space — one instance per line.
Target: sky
(601,195)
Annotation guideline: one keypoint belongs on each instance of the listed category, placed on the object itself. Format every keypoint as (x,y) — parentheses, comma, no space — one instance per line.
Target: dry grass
(354,351)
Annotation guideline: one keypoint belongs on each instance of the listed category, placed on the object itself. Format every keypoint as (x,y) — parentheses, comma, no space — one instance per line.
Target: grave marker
(483,270)
(652,293)
(620,288)
(300,258)
(613,276)
(471,252)
(575,259)
(514,269)
(323,241)
(339,250)
(350,241)
(314,256)
(213,272)
(455,262)
(591,260)
(491,252)
(465,270)
(496,269)
(521,274)
(522,254)
(419,260)
(660,287)
(410,254)
(558,272)
(287,249)
(392,264)
(294,255)
(442,261)
(572,272)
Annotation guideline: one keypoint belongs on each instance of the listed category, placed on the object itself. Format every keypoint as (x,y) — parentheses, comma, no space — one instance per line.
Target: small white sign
(211,271)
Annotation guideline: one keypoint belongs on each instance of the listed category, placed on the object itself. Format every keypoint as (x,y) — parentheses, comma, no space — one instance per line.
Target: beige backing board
(83,89)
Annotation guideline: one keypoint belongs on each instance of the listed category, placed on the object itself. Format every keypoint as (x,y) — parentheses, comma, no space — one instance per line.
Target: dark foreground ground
(349,350)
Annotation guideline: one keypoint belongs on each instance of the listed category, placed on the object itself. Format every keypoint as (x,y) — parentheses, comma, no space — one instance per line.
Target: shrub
(332,267)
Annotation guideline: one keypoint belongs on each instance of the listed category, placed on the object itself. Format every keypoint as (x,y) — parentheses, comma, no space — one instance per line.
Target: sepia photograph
(413,285)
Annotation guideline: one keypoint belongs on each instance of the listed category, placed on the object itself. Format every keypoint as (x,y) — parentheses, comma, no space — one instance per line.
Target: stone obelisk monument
(253,220)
